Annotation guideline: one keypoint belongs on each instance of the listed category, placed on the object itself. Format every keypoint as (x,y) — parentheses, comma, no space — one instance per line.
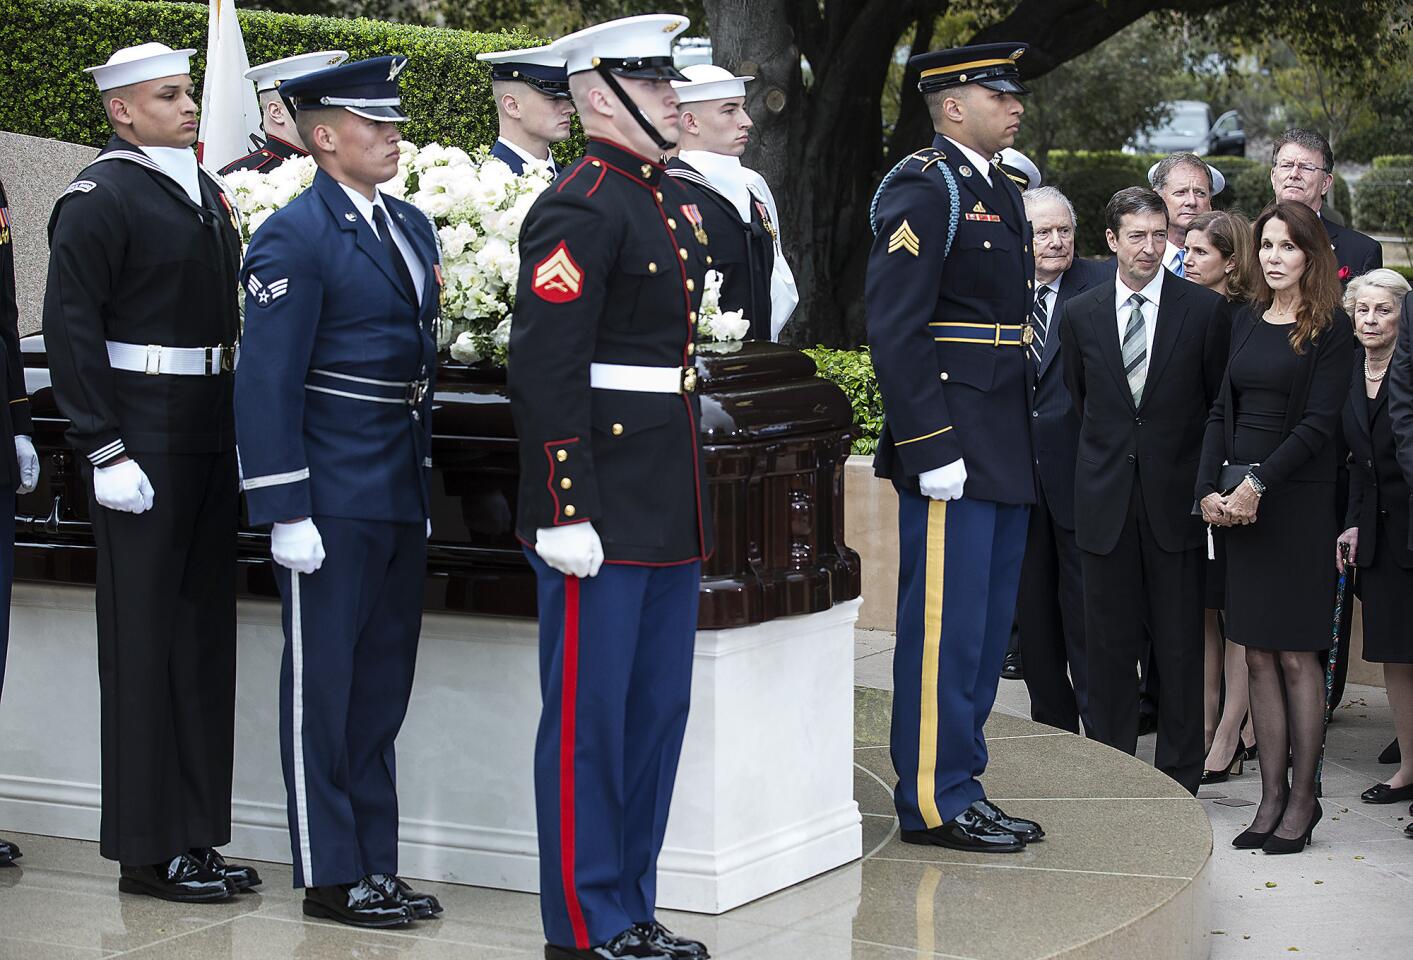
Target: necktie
(380,220)
(1181,254)
(1135,348)
(1041,317)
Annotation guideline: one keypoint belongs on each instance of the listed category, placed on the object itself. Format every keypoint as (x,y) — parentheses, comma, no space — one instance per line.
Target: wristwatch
(1255,484)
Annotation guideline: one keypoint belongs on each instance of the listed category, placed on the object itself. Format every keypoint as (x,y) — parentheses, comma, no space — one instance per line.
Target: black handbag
(1229,477)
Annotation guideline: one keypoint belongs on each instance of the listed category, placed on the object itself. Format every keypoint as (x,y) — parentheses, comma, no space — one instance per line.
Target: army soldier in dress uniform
(533,105)
(715,129)
(140,323)
(612,507)
(333,415)
(948,292)
(20,474)
(282,140)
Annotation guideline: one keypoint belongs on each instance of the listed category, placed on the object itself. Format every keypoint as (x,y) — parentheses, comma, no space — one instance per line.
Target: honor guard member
(282,140)
(947,298)
(714,131)
(333,415)
(533,105)
(612,510)
(19,474)
(140,324)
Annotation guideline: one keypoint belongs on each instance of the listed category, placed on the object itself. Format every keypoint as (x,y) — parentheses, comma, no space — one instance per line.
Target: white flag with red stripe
(230,114)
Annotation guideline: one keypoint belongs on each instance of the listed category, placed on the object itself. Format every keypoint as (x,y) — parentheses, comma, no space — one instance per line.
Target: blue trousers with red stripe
(616,677)
(958,572)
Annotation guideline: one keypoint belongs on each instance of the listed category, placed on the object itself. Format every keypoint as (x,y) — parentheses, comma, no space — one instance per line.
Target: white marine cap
(146,61)
(706,81)
(1022,171)
(638,47)
(1219,180)
(269,76)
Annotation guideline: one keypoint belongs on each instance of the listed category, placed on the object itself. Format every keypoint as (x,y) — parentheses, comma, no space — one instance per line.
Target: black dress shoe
(424,905)
(1011,667)
(1408,830)
(1383,793)
(181,879)
(969,831)
(1027,830)
(1391,754)
(628,945)
(357,904)
(239,874)
(669,943)
(9,853)
(1147,723)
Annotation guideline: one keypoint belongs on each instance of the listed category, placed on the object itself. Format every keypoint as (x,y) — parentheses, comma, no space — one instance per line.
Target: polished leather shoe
(1384,793)
(239,874)
(357,904)
(670,943)
(1391,754)
(181,879)
(9,853)
(1012,668)
(424,905)
(1027,830)
(1147,723)
(628,945)
(1408,830)
(969,831)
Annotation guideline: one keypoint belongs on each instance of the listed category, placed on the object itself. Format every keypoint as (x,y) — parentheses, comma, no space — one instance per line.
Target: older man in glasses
(1302,169)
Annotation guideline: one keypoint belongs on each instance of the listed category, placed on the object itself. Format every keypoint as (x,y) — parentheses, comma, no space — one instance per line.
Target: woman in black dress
(1273,424)
(1377,521)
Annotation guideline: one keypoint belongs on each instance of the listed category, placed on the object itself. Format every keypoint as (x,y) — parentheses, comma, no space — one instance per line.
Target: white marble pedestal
(764,795)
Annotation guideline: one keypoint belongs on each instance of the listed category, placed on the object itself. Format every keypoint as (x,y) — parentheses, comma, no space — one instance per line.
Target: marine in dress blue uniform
(602,388)
(948,289)
(282,140)
(333,411)
(540,107)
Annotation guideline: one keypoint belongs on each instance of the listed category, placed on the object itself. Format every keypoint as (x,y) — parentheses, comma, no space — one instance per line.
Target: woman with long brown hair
(1268,471)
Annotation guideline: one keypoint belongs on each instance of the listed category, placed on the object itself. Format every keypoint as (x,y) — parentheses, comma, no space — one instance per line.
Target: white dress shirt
(527,157)
(1150,295)
(409,254)
(980,163)
(1171,254)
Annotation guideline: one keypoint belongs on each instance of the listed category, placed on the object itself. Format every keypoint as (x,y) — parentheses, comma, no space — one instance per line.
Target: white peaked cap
(706,81)
(628,38)
(1219,181)
(1013,159)
(269,76)
(146,61)
(539,56)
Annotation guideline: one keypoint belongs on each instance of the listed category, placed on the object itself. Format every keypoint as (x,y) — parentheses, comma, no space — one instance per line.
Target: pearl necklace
(1369,376)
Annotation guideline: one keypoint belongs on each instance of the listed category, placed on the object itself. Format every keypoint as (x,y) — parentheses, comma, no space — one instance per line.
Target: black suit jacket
(1353,249)
(1377,489)
(12,373)
(1054,425)
(1158,444)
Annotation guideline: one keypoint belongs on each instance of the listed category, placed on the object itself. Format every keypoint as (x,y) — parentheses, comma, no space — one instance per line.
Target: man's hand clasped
(1236,509)
(574,550)
(124,487)
(944,483)
(297,546)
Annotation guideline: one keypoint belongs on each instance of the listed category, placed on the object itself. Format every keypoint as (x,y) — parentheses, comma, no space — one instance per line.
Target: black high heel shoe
(1255,839)
(1275,844)
(1238,759)
(1251,754)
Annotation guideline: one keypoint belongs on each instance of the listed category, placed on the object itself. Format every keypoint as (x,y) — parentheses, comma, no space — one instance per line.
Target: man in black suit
(1051,605)
(1302,169)
(1143,359)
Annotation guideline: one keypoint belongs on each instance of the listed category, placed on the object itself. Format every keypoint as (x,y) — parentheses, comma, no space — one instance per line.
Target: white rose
(463,348)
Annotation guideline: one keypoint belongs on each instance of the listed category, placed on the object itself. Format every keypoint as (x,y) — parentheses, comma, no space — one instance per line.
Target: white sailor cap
(1219,180)
(706,81)
(146,61)
(1022,171)
(636,47)
(269,76)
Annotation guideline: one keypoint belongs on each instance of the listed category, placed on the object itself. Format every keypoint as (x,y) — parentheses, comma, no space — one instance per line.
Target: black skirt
(1280,571)
(1386,591)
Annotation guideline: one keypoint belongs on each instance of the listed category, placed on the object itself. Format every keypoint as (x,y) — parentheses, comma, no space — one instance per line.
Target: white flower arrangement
(714,324)
(477,205)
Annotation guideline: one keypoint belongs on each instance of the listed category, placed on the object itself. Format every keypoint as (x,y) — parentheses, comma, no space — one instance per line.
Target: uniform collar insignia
(964,170)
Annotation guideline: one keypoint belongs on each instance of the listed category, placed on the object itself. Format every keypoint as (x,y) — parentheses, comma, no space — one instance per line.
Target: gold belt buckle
(1027,335)
(689,379)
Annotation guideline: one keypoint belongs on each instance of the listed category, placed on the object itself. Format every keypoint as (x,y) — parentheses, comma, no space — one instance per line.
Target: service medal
(693,214)
(765,221)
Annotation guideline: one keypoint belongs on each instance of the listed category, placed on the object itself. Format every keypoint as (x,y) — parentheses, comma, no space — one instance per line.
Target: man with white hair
(282,139)
(533,106)
(1187,184)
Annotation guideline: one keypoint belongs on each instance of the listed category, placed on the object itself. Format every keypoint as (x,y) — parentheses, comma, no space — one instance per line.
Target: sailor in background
(19,474)
(282,140)
(533,106)
(140,324)
(333,413)
(612,507)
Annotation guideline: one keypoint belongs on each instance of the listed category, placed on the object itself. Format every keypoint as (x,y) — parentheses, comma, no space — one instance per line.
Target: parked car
(1190,128)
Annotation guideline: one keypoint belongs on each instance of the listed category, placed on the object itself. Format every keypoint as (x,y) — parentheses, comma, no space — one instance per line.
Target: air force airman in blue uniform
(333,407)
(533,108)
(947,297)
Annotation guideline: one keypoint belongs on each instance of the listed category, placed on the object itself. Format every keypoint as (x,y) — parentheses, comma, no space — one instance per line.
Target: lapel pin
(964,170)
(351,217)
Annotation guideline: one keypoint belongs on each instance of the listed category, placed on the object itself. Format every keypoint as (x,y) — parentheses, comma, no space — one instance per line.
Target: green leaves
(852,372)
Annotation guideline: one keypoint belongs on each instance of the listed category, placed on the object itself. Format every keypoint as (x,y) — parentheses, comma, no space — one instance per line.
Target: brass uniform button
(595,163)
(691,349)
(569,510)
(682,252)
(658,194)
(692,317)
(647,171)
(986,244)
(618,429)
(1030,284)
(562,455)
(691,284)
(566,483)
(671,223)
(708,259)
(652,267)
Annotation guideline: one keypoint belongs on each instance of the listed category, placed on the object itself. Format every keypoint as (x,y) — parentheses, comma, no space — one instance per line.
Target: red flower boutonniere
(1344,273)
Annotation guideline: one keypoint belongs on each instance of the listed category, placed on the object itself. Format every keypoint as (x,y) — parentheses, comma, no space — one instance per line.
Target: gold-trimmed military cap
(993,65)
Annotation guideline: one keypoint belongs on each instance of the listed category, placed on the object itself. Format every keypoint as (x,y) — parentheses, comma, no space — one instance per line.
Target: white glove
(944,483)
(122,487)
(297,546)
(429,528)
(574,550)
(29,464)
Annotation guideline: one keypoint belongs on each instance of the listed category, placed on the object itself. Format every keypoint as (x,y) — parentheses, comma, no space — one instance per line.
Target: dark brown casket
(776,439)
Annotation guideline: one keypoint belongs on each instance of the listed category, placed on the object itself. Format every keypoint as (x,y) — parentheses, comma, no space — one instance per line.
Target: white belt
(153,359)
(623,376)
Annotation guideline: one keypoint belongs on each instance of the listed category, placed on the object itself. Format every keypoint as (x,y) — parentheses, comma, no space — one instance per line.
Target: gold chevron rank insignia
(558,279)
(904,239)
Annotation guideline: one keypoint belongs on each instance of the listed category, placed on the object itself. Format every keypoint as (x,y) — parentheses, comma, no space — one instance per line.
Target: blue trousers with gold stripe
(616,678)
(958,572)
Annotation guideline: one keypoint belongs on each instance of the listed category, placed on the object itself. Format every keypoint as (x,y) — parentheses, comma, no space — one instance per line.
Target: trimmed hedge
(47,43)
(1384,202)
(1394,160)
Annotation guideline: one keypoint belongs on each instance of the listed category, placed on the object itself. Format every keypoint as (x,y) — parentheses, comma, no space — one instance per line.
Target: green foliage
(446,90)
(1405,272)
(1393,160)
(1384,203)
(852,371)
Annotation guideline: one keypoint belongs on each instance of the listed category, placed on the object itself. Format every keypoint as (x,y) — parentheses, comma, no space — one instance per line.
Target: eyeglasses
(1288,167)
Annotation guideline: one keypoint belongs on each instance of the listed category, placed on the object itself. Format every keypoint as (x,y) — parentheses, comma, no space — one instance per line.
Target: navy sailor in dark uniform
(947,295)
(282,140)
(333,410)
(533,106)
(612,510)
(140,324)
